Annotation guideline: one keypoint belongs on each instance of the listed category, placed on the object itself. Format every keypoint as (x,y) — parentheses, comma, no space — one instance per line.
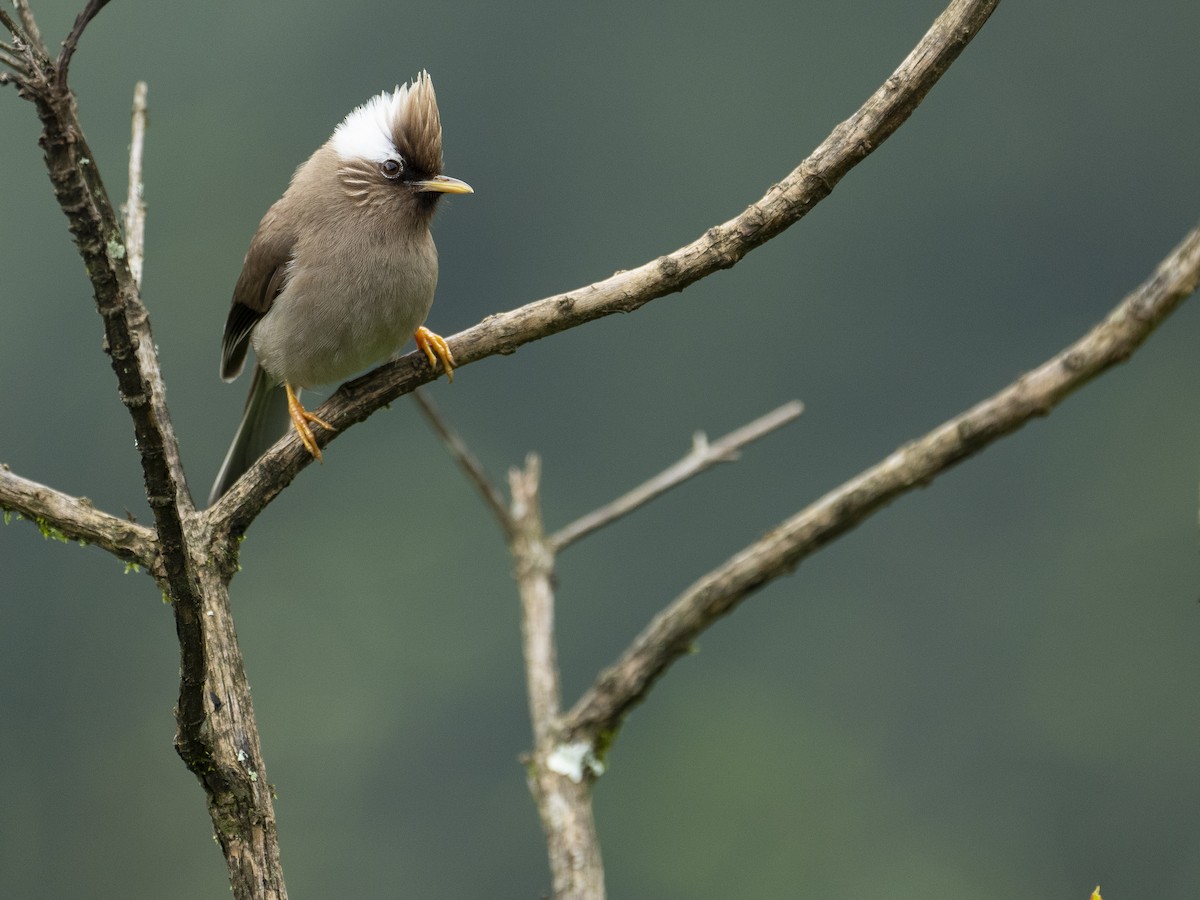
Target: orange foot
(300,418)
(434,347)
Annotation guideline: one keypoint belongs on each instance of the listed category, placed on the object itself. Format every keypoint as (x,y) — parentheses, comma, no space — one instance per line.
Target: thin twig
(466,460)
(670,634)
(81,22)
(135,203)
(11,26)
(702,456)
(8,59)
(32,33)
(12,56)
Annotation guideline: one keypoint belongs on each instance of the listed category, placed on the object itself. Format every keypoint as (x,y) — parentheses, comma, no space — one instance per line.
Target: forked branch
(216,733)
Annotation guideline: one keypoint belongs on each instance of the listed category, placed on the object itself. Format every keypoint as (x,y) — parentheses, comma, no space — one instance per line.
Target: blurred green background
(987,691)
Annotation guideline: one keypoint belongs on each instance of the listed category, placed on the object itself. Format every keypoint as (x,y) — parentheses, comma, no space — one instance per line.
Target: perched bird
(341,271)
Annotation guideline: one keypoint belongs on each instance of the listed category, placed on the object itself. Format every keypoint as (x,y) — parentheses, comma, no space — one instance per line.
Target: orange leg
(300,418)
(434,347)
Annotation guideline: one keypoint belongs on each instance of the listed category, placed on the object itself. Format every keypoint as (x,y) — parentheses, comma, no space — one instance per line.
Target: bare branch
(462,454)
(561,772)
(216,735)
(72,41)
(8,59)
(670,634)
(721,247)
(535,564)
(10,25)
(129,341)
(560,777)
(93,223)
(135,203)
(703,455)
(32,33)
(13,55)
(73,518)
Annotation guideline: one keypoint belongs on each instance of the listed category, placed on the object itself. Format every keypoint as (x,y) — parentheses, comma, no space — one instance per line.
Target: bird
(341,271)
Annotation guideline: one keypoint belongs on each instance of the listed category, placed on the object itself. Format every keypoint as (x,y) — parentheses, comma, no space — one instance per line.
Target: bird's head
(390,150)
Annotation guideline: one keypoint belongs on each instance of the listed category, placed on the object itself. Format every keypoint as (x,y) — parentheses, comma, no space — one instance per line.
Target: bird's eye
(391,168)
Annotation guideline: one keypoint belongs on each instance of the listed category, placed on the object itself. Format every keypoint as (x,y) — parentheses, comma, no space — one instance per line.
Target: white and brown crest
(402,123)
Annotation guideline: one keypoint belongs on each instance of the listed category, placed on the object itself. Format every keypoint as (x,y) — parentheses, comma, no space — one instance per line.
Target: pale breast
(347,304)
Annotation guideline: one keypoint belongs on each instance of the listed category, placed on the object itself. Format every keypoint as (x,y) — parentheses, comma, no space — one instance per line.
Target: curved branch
(73,518)
(721,247)
(599,713)
(81,22)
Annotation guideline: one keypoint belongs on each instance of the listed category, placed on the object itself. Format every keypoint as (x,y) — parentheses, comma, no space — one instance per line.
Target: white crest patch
(367,132)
